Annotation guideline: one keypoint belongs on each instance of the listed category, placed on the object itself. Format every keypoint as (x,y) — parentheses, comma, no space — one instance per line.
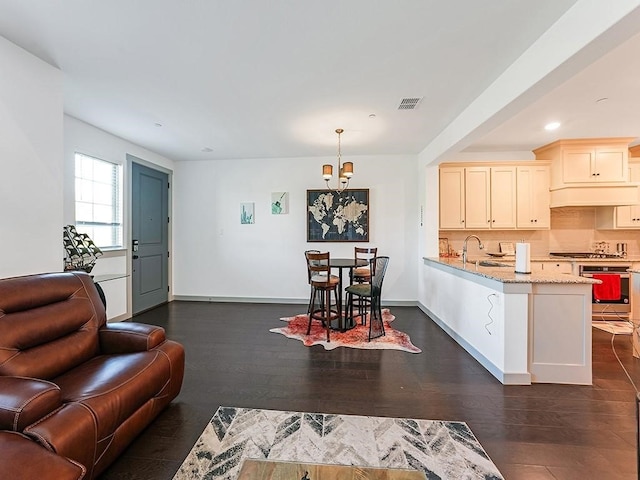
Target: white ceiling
(260,79)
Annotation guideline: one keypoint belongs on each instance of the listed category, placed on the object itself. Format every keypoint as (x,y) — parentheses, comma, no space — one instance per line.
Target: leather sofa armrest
(24,401)
(128,337)
(21,457)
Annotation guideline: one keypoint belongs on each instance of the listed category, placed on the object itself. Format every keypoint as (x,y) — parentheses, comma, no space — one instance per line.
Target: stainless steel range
(586,255)
(612,308)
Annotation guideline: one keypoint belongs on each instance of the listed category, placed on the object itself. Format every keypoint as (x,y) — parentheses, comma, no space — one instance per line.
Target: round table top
(346,262)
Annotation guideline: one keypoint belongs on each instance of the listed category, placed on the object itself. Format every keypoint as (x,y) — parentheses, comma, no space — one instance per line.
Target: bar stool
(373,293)
(323,283)
(363,274)
(306,259)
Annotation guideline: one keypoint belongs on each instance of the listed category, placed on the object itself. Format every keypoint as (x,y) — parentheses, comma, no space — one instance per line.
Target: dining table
(342,264)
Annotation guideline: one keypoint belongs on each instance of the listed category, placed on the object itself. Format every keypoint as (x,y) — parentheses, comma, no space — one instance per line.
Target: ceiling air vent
(409,103)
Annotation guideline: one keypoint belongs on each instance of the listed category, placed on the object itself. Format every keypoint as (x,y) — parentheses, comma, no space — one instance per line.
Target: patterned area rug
(443,450)
(357,337)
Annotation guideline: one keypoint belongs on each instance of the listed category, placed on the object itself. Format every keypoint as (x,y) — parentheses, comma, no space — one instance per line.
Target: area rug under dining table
(440,449)
(357,337)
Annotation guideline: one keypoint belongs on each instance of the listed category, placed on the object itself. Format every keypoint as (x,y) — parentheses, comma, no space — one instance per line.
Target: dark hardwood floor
(530,432)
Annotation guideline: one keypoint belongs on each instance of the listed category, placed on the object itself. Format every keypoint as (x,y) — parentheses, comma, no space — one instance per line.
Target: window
(99,201)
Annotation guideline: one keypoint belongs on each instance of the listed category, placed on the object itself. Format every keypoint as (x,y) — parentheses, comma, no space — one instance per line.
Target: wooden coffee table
(275,470)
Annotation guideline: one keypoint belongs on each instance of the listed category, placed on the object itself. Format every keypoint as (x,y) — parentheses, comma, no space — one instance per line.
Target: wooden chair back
(367,254)
(306,259)
(318,264)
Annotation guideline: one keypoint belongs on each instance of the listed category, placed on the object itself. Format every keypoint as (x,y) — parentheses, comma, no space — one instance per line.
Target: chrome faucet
(464,247)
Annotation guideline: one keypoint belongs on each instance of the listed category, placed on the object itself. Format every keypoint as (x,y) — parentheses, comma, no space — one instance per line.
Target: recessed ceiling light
(372,115)
(552,126)
(603,99)
(207,150)
(158,124)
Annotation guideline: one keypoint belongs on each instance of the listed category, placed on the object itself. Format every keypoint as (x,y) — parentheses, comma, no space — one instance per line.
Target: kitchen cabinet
(532,203)
(478,197)
(503,197)
(602,164)
(589,172)
(551,267)
(536,266)
(628,216)
(586,160)
(485,196)
(624,217)
(452,198)
(490,197)
(557,267)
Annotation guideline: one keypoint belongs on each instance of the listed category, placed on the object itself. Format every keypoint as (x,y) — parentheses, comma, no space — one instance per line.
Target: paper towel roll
(523,258)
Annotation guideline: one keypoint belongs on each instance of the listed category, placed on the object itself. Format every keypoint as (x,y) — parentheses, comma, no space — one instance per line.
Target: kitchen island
(523,328)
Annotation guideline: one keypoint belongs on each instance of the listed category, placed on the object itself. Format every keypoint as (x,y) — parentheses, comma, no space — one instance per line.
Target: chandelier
(345,170)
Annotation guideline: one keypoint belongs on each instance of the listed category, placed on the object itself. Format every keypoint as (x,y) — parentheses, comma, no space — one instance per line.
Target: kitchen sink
(491,263)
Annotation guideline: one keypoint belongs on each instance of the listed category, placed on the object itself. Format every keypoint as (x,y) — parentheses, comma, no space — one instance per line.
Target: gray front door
(149,234)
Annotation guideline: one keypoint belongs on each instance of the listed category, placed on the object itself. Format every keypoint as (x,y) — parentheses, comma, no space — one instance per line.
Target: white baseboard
(298,301)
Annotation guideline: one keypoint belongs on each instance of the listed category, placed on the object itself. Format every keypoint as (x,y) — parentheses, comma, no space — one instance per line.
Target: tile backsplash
(572,230)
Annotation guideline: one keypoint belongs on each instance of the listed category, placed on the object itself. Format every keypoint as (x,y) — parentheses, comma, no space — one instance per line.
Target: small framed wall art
(279,203)
(247,213)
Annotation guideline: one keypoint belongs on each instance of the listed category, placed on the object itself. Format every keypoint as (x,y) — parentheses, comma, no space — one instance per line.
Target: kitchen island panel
(559,336)
(521,329)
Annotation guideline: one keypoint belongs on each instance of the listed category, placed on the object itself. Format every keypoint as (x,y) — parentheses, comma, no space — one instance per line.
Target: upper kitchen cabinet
(623,217)
(477,197)
(587,160)
(585,165)
(533,197)
(628,216)
(589,172)
(452,198)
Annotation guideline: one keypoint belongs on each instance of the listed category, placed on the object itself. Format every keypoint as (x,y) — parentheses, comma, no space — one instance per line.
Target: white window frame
(98,200)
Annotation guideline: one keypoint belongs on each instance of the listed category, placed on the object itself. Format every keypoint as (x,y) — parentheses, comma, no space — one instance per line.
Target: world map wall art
(338,217)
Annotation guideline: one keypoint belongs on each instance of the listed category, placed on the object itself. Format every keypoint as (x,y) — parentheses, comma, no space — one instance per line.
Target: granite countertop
(548,258)
(506,274)
(586,260)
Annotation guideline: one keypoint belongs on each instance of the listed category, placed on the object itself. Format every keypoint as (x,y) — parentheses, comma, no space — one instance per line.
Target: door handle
(135,257)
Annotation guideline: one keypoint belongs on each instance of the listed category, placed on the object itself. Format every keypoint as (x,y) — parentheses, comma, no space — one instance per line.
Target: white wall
(84,138)
(30,164)
(217,257)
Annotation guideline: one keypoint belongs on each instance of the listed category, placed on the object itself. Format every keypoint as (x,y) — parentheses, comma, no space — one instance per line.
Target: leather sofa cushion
(25,400)
(48,324)
(113,387)
(22,458)
(125,337)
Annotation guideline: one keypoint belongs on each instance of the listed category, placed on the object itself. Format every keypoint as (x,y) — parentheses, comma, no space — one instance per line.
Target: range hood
(595,195)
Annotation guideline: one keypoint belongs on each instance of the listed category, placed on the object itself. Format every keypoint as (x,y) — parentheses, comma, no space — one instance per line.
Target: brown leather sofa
(75,390)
